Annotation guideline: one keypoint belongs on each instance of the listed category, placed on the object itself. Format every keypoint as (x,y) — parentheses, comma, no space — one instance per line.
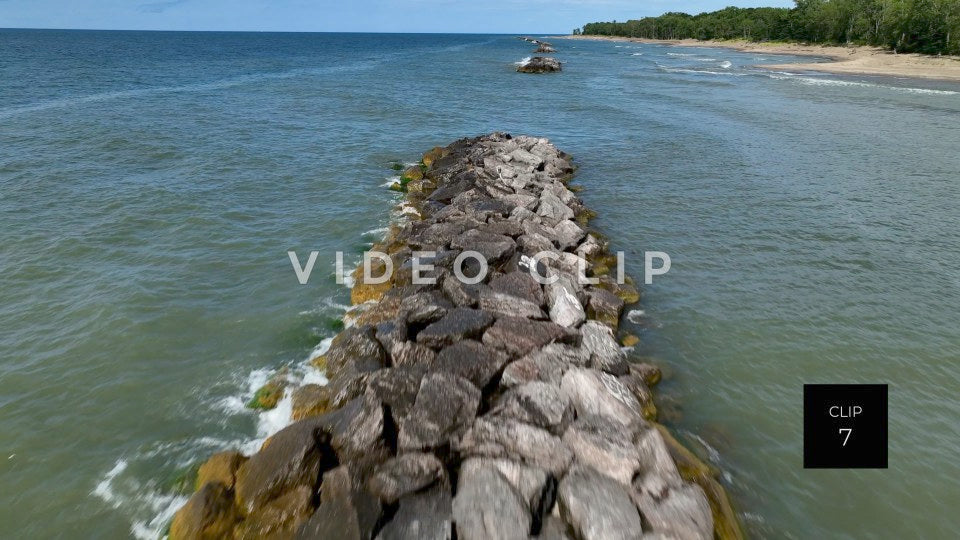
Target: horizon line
(285,31)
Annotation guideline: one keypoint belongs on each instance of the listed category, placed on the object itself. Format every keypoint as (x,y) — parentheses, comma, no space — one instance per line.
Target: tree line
(924,26)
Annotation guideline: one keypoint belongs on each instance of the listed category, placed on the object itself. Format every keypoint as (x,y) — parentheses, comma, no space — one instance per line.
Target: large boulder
(425,515)
(458,324)
(471,360)
(537,403)
(346,511)
(209,514)
(405,474)
(593,392)
(605,352)
(487,507)
(445,406)
(499,437)
(519,336)
(597,507)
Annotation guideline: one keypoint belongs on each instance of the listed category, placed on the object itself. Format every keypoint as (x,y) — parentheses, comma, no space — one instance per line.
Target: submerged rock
(540,64)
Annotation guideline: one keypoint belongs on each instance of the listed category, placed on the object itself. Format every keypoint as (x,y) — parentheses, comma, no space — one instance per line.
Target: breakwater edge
(503,408)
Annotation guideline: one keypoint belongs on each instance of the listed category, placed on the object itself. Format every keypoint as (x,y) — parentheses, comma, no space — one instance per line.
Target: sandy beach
(852,60)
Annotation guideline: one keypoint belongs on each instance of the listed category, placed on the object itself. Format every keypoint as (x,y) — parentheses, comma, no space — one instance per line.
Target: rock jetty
(503,408)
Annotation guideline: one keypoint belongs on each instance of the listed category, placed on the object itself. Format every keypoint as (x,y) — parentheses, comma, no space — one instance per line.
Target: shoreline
(484,409)
(853,60)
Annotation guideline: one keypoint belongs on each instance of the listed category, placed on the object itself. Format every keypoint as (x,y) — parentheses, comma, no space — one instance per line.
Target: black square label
(845,426)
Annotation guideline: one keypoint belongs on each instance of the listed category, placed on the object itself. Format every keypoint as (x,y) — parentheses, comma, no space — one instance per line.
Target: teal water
(152,183)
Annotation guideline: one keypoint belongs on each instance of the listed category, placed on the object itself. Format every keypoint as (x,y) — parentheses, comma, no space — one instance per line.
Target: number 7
(847,438)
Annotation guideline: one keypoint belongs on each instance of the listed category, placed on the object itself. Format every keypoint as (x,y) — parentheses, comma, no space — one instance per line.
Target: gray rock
(346,511)
(522,200)
(547,364)
(658,470)
(537,403)
(552,210)
(680,512)
(532,484)
(522,214)
(397,388)
(509,305)
(505,227)
(567,234)
(425,307)
(519,284)
(495,248)
(457,324)
(445,406)
(425,515)
(356,429)
(412,354)
(460,293)
(499,437)
(540,64)
(436,235)
(519,336)
(605,352)
(565,307)
(593,392)
(597,507)
(356,345)
(554,529)
(391,333)
(589,247)
(488,507)
(531,244)
(604,445)
(471,360)
(405,474)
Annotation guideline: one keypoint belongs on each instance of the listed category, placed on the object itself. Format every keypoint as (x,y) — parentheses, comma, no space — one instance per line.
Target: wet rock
(499,437)
(597,507)
(445,406)
(606,307)
(356,429)
(294,457)
(519,336)
(596,393)
(412,354)
(405,474)
(209,514)
(390,333)
(495,248)
(267,396)
(519,284)
(309,400)
(540,64)
(346,510)
(221,467)
(458,324)
(604,445)
(488,507)
(426,515)
(545,49)
(605,352)
(436,235)
(650,373)
(509,305)
(279,518)
(356,345)
(537,403)
(634,381)
(471,360)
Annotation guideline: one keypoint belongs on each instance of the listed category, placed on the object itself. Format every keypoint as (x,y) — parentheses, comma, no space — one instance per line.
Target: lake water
(152,183)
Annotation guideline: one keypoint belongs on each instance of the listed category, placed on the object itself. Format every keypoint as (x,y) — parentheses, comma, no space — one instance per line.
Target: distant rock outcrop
(540,64)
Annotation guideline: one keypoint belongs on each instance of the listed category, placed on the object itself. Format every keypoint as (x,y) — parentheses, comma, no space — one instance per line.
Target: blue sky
(480,16)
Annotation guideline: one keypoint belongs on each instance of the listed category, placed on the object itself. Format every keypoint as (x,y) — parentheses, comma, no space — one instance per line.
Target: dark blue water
(151,184)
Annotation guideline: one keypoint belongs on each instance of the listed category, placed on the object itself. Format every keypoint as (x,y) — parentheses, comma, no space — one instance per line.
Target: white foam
(391,180)
(680,54)
(636,315)
(823,81)
(523,62)
(104,488)
(726,65)
(636,54)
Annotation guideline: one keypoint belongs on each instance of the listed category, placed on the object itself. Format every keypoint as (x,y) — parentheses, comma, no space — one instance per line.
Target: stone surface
(397,388)
(346,511)
(425,515)
(221,467)
(605,307)
(604,445)
(209,514)
(680,512)
(309,400)
(446,404)
(565,308)
(519,336)
(487,507)
(509,305)
(597,507)
(471,360)
(540,64)
(537,403)
(405,474)
(519,284)
(460,323)
(596,393)
(605,352)
(498,437)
